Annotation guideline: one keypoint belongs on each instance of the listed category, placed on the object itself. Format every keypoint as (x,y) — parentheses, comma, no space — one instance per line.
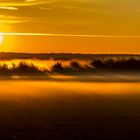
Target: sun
(1,39)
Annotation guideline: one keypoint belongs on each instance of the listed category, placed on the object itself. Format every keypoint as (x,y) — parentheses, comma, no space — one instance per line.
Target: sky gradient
(65,26)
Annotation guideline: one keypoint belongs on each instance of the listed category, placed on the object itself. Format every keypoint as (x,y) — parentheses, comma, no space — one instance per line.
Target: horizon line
(70,53)
(67,35)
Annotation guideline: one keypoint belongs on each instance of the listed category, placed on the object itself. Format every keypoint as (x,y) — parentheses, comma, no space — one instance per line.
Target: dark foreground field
(69,97)
(69,110)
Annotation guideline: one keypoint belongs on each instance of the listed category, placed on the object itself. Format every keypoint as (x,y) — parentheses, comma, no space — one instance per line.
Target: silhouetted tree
(57,68)
(75,64)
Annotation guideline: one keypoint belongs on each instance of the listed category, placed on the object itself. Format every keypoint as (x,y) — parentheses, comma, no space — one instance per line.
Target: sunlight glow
(1,39)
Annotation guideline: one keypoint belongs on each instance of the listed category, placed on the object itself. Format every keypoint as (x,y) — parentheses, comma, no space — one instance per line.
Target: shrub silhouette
(117,65)
(75,64)
(57,68)
(98,64)
(4,70)
(21,69)
(74,68)
(24,68)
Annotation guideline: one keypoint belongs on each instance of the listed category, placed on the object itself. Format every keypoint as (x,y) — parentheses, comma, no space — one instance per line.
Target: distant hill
(62,56)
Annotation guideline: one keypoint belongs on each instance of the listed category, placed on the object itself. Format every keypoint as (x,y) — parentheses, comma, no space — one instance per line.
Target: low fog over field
(95,67)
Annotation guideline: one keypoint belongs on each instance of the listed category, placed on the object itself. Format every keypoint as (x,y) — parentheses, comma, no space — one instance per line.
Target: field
(74,99)
(69,110)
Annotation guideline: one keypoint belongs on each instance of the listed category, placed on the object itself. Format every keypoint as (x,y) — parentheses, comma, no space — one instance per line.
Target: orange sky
(117,20)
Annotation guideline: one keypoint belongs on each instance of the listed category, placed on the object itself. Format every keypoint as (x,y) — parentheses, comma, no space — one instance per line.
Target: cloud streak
(25,3)
(9,8)
(69,35)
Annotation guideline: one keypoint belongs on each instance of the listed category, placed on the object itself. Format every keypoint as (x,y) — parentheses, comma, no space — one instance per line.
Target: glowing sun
(1,39)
